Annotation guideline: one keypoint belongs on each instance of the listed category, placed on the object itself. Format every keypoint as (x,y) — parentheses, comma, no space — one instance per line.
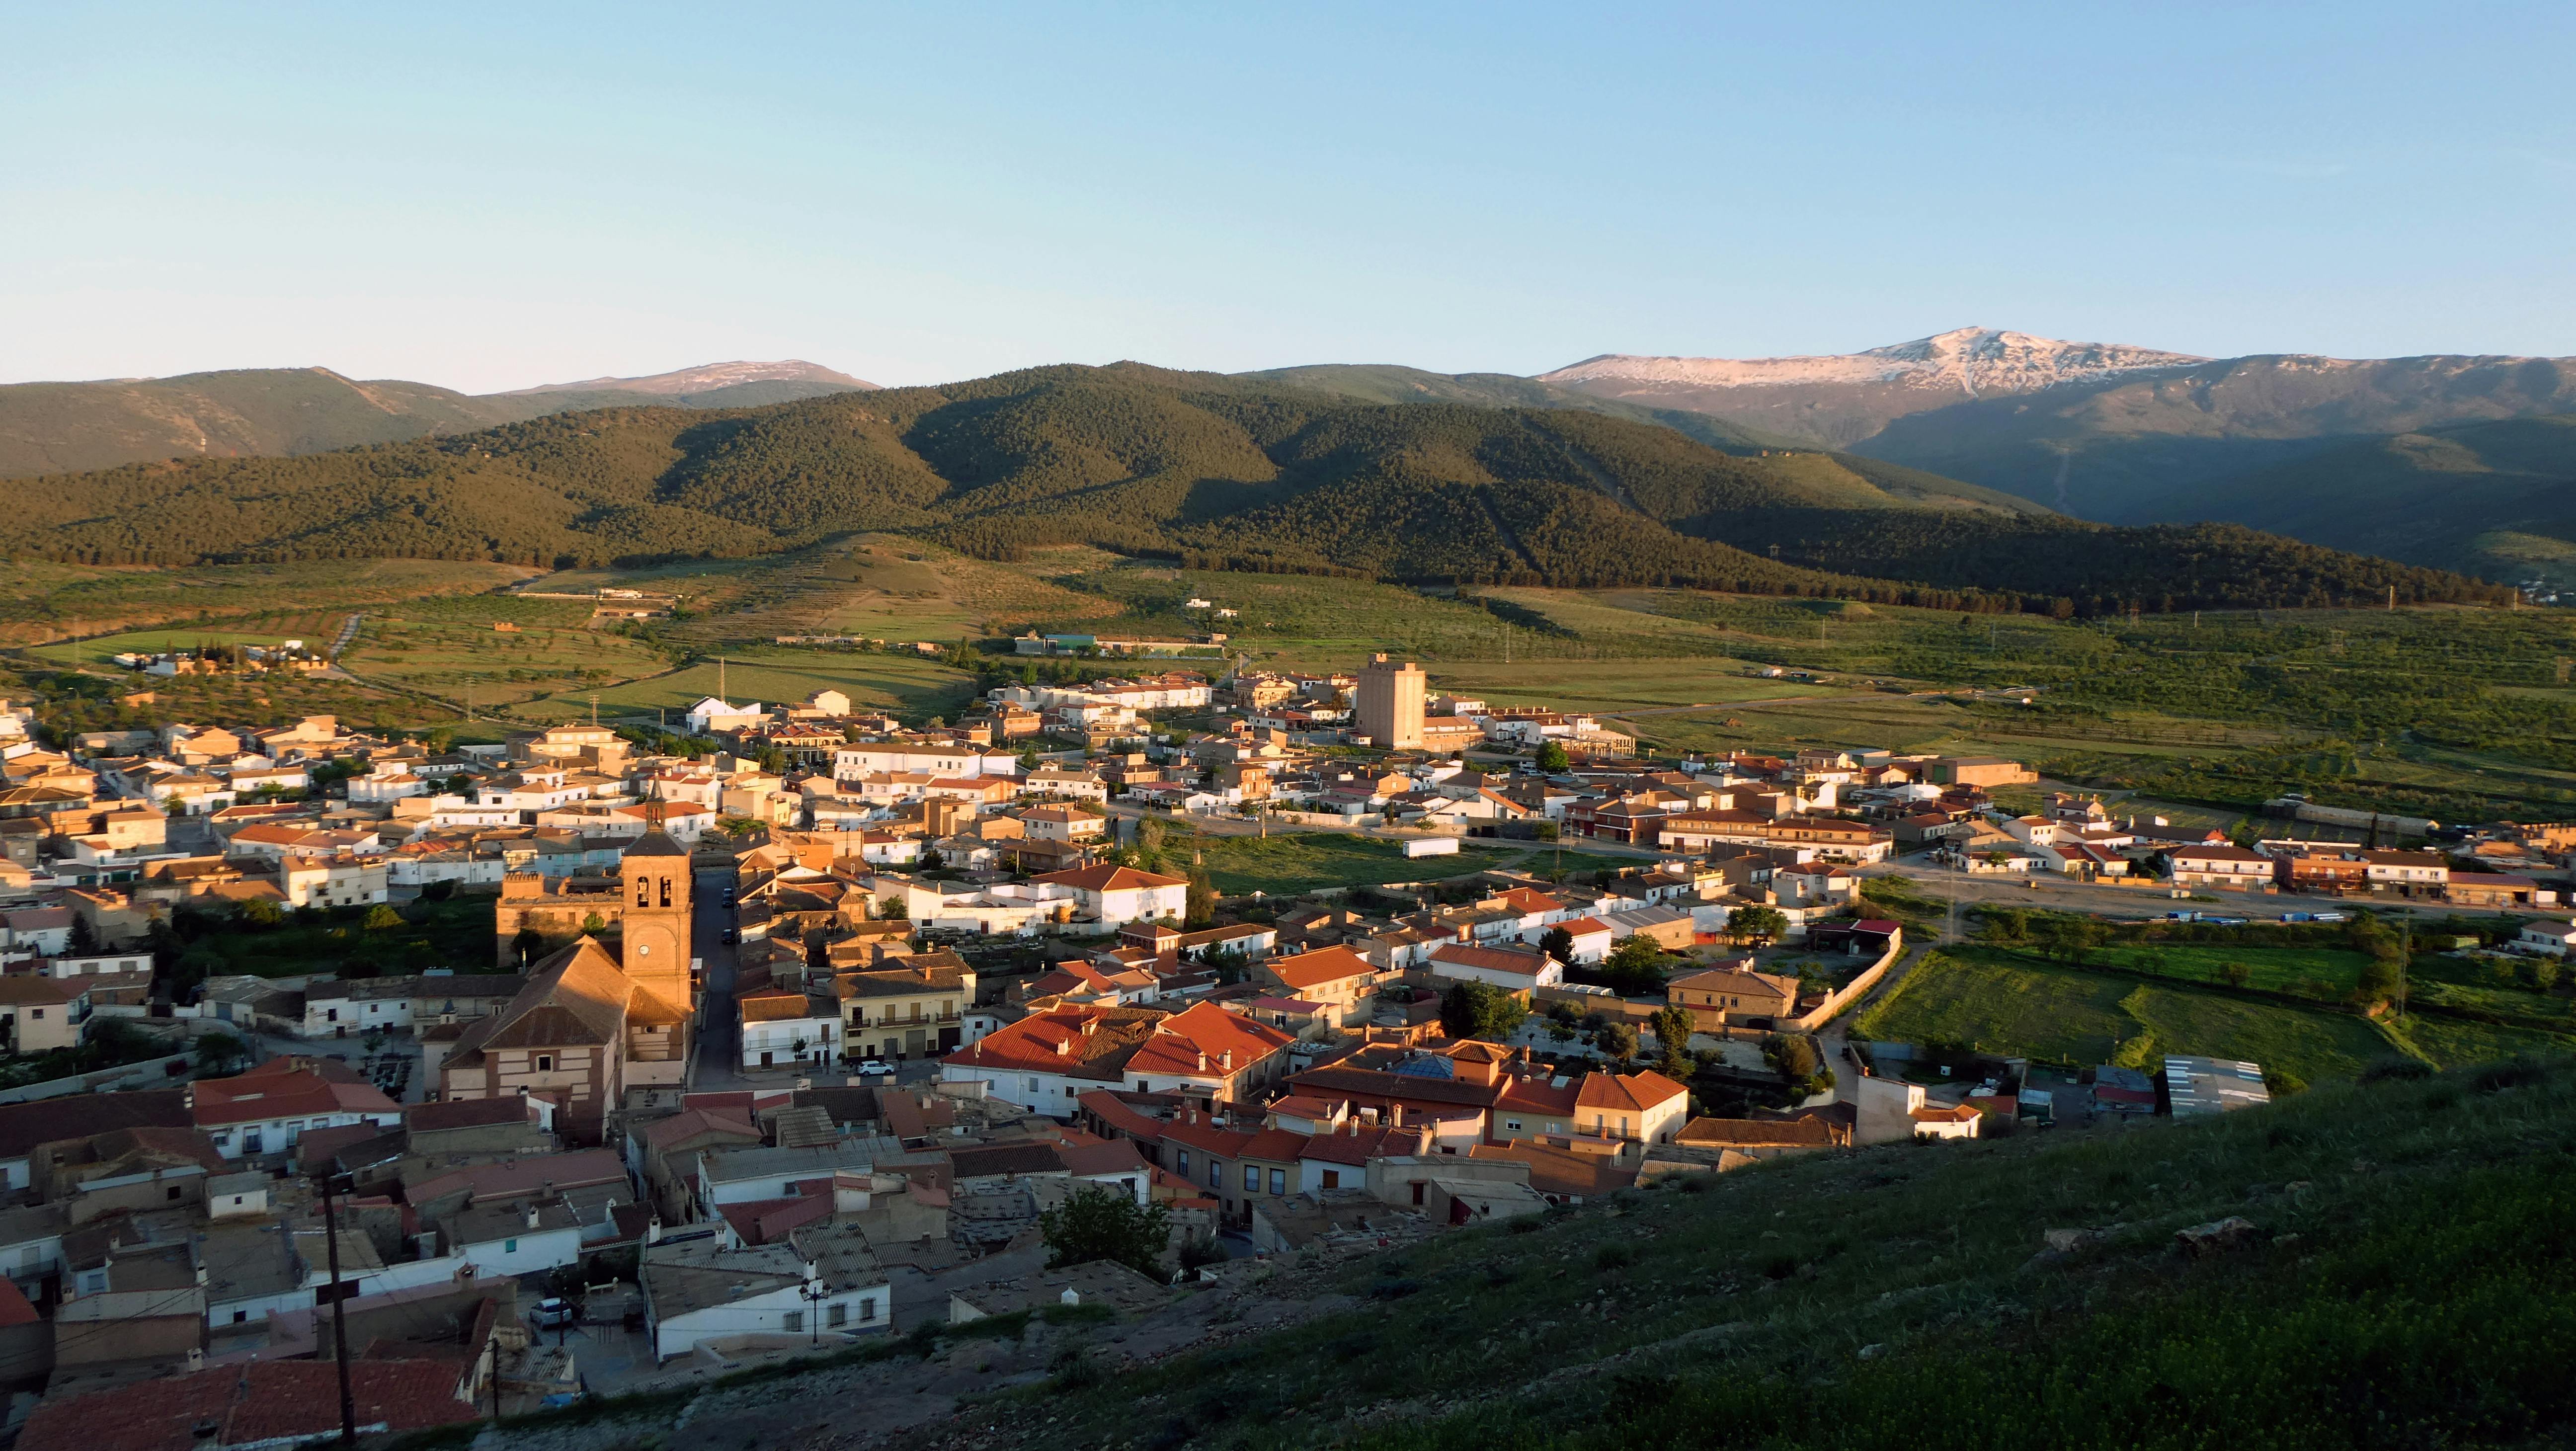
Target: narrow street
(719,1050)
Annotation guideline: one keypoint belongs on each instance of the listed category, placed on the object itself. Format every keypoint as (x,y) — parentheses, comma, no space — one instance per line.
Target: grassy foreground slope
(2408,1283)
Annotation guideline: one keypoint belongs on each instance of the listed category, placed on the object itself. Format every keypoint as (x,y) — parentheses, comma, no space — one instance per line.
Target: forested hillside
(2490,497)
(1241,474)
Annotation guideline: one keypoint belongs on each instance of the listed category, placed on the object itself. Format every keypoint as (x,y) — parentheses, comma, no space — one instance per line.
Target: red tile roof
(257,1402)
(1314,969)
(282,1088)
(1276,1145)
(1107,878)
(1635,1093)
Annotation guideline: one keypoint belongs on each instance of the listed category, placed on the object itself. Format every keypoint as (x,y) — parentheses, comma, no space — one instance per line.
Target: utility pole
(339,1314)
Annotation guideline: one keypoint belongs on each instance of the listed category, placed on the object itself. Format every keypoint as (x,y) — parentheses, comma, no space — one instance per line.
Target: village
(572,1064)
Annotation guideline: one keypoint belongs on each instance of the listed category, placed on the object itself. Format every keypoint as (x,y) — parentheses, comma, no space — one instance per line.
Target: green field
(451,648)
(1301,861)
(2328,974)
(912,687)
(2489,985)
(2001,1002)
(2453,1042)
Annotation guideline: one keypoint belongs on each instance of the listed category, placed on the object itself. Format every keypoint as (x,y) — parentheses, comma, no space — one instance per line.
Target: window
(1332,1179)
(867,1311)
(240,1315)
(509,1246)
(1251,1178)
(643,893)
(1278,1181)
(1512,1125)
(1184,1170)
(792,1321)
(39,1015)
(174,1194)
(666,891)
(545,1063)
(1033,1085)
(837,1316)
(1417,1191)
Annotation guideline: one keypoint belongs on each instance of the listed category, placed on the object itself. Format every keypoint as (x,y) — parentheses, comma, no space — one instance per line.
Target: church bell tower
(654,926)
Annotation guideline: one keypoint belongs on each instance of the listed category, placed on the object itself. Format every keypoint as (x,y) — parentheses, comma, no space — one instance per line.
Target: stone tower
(1390,703)
(655,923)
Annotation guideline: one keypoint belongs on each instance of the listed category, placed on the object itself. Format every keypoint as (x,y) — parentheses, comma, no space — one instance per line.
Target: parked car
(551,1313)
(875,1065)
(731,937)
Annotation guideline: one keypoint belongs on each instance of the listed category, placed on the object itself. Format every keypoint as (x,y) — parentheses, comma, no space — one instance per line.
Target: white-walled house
(266,1109)
(1517,969)
(1118,895)
(697,1290)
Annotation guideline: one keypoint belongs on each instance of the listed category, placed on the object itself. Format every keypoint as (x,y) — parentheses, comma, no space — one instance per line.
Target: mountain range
(2135,435)
(1221,471)
(62,427)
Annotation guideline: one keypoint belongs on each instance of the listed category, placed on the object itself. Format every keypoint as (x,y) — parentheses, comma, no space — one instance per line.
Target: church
(590,1023)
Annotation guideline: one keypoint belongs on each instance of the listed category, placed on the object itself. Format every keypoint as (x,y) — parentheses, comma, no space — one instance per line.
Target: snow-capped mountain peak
(708,378)
(1969,360)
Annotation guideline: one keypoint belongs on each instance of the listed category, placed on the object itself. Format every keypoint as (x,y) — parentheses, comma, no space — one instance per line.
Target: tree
(1672,1025)
(1558,943)
(217,1053)
(1480,1010)
(1634,968)
(1201,900)
(1098,1223)
(893,909)
(381,918)
(2236,973)
(1618,1040)
(84,937)
(528,943)
(260,912)
(1767,923)
(1553,758)
(2383,979)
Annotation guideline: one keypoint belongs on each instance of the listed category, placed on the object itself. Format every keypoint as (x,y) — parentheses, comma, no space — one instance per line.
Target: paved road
(719,1052)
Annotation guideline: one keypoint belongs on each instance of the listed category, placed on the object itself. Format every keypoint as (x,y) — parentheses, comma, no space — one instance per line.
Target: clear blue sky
(492,197)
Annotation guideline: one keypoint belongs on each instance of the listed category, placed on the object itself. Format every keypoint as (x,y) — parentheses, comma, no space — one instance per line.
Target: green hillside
(2406,1280)
(1394,383)
(48,428)
(1390,383)
(2490,498)
(1215,471)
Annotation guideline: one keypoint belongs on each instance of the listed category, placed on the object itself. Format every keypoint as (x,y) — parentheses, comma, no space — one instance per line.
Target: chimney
(532,1215)
(653,1230)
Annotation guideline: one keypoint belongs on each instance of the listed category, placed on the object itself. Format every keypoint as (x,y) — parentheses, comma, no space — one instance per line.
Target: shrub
(2497,1077)
(2388,1070)
(1613,1257)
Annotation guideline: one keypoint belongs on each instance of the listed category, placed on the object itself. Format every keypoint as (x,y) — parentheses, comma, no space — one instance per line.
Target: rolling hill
(1217,471)
(62,427)
(2104,431)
